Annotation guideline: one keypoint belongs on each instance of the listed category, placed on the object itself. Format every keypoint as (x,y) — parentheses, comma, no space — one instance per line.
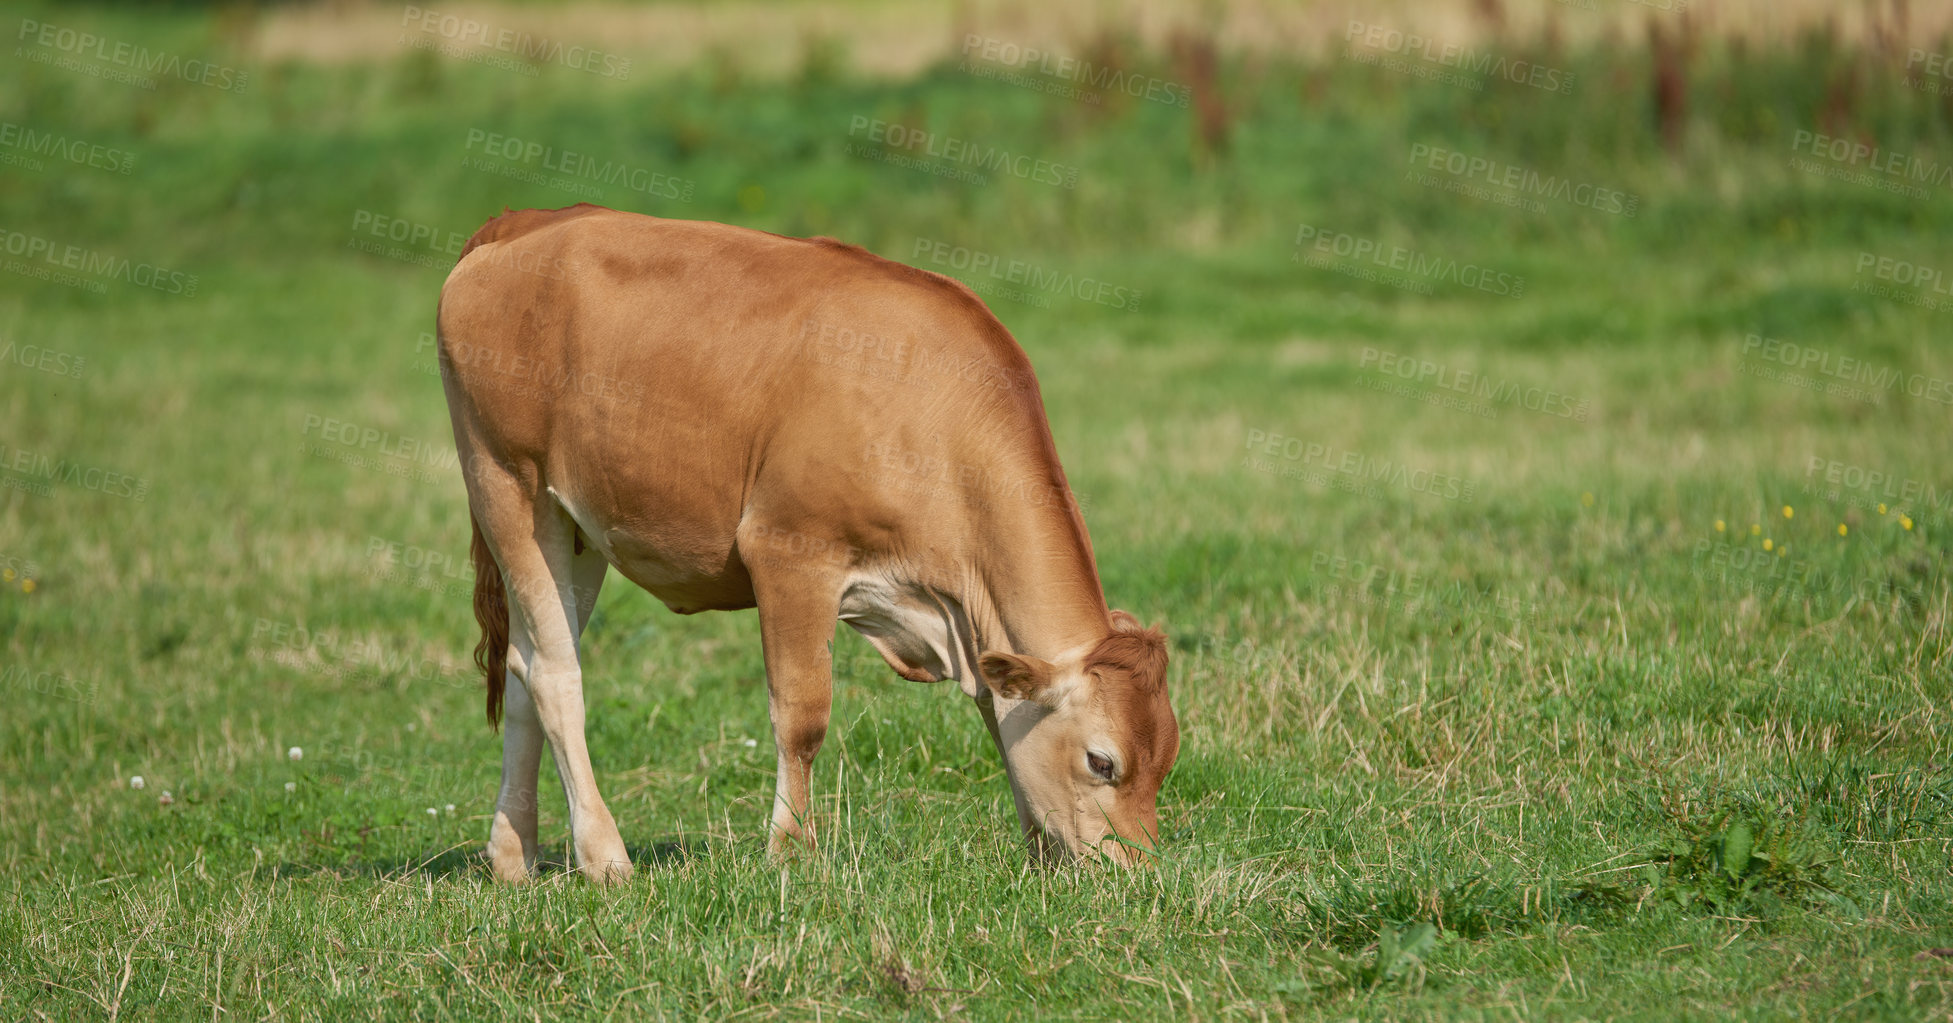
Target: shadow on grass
(471,858)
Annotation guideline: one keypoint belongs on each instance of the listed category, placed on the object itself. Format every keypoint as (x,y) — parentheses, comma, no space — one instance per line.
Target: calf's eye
(1100,764)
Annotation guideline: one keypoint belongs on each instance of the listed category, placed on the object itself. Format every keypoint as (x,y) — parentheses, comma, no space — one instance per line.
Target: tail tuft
(492,614)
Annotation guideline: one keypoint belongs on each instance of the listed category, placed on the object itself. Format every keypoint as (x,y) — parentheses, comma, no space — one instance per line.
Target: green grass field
(1560,622)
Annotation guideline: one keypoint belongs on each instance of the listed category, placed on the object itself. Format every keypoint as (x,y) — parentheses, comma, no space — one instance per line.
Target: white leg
(551,592)
(512,838)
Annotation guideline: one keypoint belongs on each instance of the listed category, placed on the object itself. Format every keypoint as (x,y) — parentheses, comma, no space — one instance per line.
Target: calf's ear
(1019,678)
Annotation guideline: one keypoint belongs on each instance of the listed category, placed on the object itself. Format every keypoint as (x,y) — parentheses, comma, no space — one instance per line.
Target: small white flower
(165,799)
(450,807)
(750,742)
(295,753)
(411,727)
(431,812)
(136,782)
(291,786)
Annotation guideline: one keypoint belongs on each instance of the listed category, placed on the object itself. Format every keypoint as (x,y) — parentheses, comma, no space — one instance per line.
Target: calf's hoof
(509,858)
(786,845)
(604,860)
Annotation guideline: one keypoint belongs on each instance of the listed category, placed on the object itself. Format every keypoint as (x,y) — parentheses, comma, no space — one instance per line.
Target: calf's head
(1087,742)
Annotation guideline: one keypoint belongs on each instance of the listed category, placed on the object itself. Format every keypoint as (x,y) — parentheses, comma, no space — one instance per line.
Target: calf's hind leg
(552,589)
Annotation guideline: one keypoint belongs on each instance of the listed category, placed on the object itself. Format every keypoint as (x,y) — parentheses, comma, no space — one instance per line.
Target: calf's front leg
(797,632)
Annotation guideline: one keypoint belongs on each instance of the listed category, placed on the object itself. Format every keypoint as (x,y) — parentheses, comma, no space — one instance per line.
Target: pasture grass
(1548,734)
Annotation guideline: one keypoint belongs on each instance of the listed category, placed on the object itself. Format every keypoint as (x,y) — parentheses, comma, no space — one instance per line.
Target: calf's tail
(492,614)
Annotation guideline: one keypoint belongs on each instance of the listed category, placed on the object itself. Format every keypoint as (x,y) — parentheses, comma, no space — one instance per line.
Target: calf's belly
(677,551)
